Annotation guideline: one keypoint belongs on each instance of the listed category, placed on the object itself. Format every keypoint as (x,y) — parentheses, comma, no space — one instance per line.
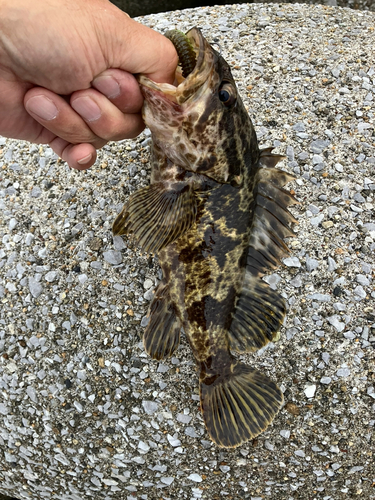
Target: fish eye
(227,94)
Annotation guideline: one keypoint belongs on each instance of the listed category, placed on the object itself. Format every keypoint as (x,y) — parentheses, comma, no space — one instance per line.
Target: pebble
(310,391)
(325,380)
(173,441)
(343,372)
(315,221)
(147,284)
(167,480)
(112,257)
(360,292)
(150,407)
(195,477)
(51,276)
(320,297)
(332,266)
(35,287)
(311,264)
(292,262)
(285,433)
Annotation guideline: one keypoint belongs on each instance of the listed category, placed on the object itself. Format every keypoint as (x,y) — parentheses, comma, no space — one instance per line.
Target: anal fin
(162,334)
(258,316)
(239,404)
(157,215)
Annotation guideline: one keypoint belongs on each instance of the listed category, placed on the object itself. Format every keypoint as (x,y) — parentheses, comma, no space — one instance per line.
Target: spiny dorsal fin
(157,215)
(268,159)
(258,317)
(162,334)
(272,217)
(239,405)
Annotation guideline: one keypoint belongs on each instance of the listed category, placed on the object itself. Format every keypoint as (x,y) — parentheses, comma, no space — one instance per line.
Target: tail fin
(238,405)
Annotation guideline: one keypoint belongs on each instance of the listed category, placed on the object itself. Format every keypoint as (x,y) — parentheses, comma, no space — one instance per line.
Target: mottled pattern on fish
(216,215)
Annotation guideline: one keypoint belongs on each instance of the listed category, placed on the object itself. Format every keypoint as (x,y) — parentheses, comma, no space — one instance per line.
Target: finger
(78,156)
(121,88)
(56,115)
(138,49)
(104,118)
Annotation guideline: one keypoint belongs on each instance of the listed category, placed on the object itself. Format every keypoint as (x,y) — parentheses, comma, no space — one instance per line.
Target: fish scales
(216,215)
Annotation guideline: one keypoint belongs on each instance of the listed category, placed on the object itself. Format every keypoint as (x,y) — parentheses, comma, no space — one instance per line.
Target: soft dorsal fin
(258,317)
(260,310)
(158,214)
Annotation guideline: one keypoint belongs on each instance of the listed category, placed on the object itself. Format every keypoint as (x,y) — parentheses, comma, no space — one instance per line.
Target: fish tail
(239,404)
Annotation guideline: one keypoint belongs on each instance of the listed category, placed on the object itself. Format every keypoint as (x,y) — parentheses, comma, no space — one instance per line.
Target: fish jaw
(191,124)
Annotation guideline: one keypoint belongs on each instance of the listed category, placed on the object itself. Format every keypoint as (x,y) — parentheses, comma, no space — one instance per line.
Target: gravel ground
(84,413)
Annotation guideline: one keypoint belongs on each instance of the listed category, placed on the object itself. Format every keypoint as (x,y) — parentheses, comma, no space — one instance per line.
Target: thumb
(135,48)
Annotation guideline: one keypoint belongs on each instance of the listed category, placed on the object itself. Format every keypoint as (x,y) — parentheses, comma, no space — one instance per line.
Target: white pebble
(336,323)
(292,262)
(310,391)
(196,478)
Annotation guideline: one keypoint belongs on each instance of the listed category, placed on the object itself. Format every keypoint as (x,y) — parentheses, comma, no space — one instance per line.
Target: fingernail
(85,159)
(107,85)
(87,108)
(42,107)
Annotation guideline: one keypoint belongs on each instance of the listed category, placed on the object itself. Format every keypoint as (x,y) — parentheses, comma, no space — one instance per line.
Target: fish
(216,215)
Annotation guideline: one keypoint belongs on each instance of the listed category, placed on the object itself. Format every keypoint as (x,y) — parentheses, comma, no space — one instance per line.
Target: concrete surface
(84,413)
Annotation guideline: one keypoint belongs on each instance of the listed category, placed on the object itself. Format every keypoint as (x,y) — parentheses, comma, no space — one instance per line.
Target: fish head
(201,124)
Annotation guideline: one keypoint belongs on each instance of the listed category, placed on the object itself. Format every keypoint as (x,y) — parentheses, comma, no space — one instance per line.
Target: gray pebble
(363,280)
(31,393)
(343,372)
(319,145)
(12,224)
(51,276)
(320,297)
(112,257)
(35,287)
(311,264)
(184,419)
(332,266)
(359,291)
(150,407)
(296,281)
(315,221)
(35,192)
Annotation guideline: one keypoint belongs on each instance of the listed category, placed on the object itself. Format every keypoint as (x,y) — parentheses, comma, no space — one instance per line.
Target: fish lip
(180,92)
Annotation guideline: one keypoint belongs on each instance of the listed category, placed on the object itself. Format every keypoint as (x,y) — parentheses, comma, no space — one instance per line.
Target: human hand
(66,74)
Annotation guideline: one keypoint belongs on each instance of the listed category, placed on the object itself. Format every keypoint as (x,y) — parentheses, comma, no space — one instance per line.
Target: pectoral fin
(157,215)
(162,334)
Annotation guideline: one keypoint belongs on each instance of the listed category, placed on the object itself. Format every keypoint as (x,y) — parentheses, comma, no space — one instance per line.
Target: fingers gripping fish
(216,215)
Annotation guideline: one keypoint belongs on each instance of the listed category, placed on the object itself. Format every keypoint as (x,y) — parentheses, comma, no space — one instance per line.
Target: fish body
(216,215)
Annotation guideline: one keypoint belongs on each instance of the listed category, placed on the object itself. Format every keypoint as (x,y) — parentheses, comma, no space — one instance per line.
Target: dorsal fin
(272,217)
(258,317)
(260,310)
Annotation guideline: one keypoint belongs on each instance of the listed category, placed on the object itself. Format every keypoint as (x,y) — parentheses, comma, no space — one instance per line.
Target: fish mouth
(196,60)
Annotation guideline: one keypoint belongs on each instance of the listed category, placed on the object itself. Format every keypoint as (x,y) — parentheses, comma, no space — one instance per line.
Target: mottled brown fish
(216,215)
